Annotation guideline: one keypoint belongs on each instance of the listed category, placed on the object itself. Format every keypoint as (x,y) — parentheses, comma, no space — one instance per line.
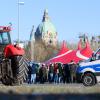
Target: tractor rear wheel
(13,71)
(19,69)
(6,72)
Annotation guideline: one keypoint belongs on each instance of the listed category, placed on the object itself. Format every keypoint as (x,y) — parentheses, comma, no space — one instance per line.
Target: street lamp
(19,3)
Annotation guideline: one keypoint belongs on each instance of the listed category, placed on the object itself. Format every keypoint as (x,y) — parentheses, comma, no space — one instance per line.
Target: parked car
(88,71)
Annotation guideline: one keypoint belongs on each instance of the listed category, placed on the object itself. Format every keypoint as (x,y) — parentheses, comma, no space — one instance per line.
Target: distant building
(46,31)
(95,41)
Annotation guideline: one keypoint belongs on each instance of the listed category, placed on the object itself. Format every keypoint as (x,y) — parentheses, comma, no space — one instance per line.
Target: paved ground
(50,92)
(50,88)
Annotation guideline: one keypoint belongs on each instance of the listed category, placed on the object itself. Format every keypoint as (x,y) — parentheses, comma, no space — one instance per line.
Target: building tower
(46,31)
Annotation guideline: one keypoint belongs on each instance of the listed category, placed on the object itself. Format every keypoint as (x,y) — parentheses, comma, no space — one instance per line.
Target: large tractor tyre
(89,79)
(6,72)
(19,69)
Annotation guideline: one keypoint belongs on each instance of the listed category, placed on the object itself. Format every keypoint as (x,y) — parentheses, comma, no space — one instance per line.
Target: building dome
(46,30)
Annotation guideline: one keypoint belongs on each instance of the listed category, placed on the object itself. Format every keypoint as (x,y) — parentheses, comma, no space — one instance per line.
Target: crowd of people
(52,73)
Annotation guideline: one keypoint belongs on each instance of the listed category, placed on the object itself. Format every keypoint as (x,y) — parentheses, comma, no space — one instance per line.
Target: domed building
(46,31)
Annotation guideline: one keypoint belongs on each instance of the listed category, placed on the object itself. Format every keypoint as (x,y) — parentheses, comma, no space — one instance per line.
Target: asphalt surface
(73,92)
(60,84)
(78,85)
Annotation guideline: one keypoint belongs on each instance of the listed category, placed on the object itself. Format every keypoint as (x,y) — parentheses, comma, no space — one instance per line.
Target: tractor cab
(4,37)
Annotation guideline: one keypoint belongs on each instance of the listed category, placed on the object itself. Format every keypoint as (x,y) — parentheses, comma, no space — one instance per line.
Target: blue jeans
(56,78)
(51,77)
(59,79)
(33,78)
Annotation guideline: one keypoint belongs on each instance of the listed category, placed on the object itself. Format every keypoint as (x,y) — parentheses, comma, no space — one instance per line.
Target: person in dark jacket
(73,68)
(37,72)
(29,75)
(51,72)
(60,75)
(33,73)
(66,73)
(43,74)
(56,73)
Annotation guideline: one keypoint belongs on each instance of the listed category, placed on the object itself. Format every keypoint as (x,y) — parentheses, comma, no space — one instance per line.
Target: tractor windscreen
(4,38)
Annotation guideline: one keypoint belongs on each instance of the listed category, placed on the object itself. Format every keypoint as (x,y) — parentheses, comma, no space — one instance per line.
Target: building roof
(45,26)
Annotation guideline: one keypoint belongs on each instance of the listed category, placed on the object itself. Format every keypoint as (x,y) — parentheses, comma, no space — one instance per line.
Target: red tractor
(13,66)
